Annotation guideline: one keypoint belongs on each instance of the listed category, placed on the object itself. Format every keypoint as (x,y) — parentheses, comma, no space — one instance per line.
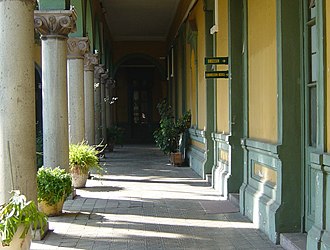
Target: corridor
(143,202)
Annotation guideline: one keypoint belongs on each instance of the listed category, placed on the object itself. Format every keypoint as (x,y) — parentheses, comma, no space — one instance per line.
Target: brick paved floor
(145,203)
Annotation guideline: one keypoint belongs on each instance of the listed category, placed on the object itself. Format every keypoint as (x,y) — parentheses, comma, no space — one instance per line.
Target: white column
(90,61)
(99,69)
(108,106)
(54,26)
(17,100)
(77,47)
(104,80)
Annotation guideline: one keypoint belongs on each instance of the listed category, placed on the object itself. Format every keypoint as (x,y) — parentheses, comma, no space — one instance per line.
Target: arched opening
(140,87)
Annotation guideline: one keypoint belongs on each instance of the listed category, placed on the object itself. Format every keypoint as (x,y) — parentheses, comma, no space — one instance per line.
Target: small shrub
(53,185)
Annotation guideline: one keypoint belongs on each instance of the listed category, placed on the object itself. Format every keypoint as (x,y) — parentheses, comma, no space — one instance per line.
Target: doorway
(312,131)
(140,104)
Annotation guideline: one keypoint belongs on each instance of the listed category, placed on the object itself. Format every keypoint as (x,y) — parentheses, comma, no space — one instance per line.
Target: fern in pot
(54,186)
(17,217)
(82,158)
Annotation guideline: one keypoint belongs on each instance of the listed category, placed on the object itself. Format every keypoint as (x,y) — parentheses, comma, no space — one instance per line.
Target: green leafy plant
(168,134)
(115,135)
(84,157)
(39,148)
(18,211)
(53,185)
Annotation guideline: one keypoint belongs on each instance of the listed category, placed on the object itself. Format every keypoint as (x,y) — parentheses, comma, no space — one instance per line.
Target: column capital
(55,24)
(104,77)
(90,61)
(77,47)
(98,70)
(110,83)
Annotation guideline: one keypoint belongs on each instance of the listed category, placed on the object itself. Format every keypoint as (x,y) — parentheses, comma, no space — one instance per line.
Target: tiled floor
(145,203)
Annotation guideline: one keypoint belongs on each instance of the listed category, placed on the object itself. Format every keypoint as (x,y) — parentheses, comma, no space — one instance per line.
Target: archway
(140,87)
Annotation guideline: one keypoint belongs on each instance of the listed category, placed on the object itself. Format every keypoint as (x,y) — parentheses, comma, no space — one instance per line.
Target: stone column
(54,27)
(104,80)
(77,47)
(90,61)
(107,103)
(17,100)
(99,69)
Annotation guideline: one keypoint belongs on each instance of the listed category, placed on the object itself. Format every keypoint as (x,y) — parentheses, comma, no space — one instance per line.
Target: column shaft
(107,105)
(55,103)
(103,114)
(77,47)
(90,61)
(97,102)
(76,106)
(54,27)
(17,100)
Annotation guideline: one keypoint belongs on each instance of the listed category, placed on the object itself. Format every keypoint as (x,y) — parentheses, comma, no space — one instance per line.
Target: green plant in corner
(19,212)
(53,185)
(168,134)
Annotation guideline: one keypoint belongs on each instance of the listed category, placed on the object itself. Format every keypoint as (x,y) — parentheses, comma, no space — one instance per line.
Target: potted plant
(168,134)
(54,186)
(16,219)
(83,158)
(115,136)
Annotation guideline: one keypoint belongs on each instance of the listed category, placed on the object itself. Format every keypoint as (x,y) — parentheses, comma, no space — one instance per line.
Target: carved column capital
(77,47)
(104,77)
(90,61)
(98,70)
(55,24)
(110,83)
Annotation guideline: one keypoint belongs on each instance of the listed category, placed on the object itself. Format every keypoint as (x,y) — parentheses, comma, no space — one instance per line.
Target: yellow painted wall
(188,83)
(222,84)
(178,17)
(198,144)
(327,66)
(262,69)
(192,91)
(179,76)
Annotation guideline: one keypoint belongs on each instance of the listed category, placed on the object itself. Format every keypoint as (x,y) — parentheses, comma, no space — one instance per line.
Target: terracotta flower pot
(51,210)
(176,158)
(17,243)
(79,178)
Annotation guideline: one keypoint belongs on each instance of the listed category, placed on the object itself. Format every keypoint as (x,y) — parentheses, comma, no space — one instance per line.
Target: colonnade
(74,93)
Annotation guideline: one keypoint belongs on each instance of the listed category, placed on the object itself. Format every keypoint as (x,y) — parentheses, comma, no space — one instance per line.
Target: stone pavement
(145,203)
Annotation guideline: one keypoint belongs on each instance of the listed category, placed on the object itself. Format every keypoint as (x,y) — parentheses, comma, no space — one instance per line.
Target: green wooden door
(140,95)
(311,85)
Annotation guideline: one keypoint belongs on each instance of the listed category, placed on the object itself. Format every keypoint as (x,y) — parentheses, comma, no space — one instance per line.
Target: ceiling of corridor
(139,20)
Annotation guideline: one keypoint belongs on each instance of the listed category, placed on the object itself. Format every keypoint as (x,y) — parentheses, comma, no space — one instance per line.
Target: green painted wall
(54,4)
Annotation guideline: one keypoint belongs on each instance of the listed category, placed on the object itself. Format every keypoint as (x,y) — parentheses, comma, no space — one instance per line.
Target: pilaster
(54,27)
(77,47)
(89,62)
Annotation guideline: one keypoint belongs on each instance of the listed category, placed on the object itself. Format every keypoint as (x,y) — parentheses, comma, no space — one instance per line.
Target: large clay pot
(79,179)
(176,158)
(17,243)
(51,210)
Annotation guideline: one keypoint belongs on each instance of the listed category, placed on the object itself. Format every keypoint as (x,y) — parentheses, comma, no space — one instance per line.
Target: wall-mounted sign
(216,60)
(216,74)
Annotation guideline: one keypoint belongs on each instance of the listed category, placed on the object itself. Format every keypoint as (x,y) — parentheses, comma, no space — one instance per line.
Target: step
(208,178)
(293,241)
(234,199)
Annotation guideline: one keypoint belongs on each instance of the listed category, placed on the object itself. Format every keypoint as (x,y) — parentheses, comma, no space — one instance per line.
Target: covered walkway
(145,203)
